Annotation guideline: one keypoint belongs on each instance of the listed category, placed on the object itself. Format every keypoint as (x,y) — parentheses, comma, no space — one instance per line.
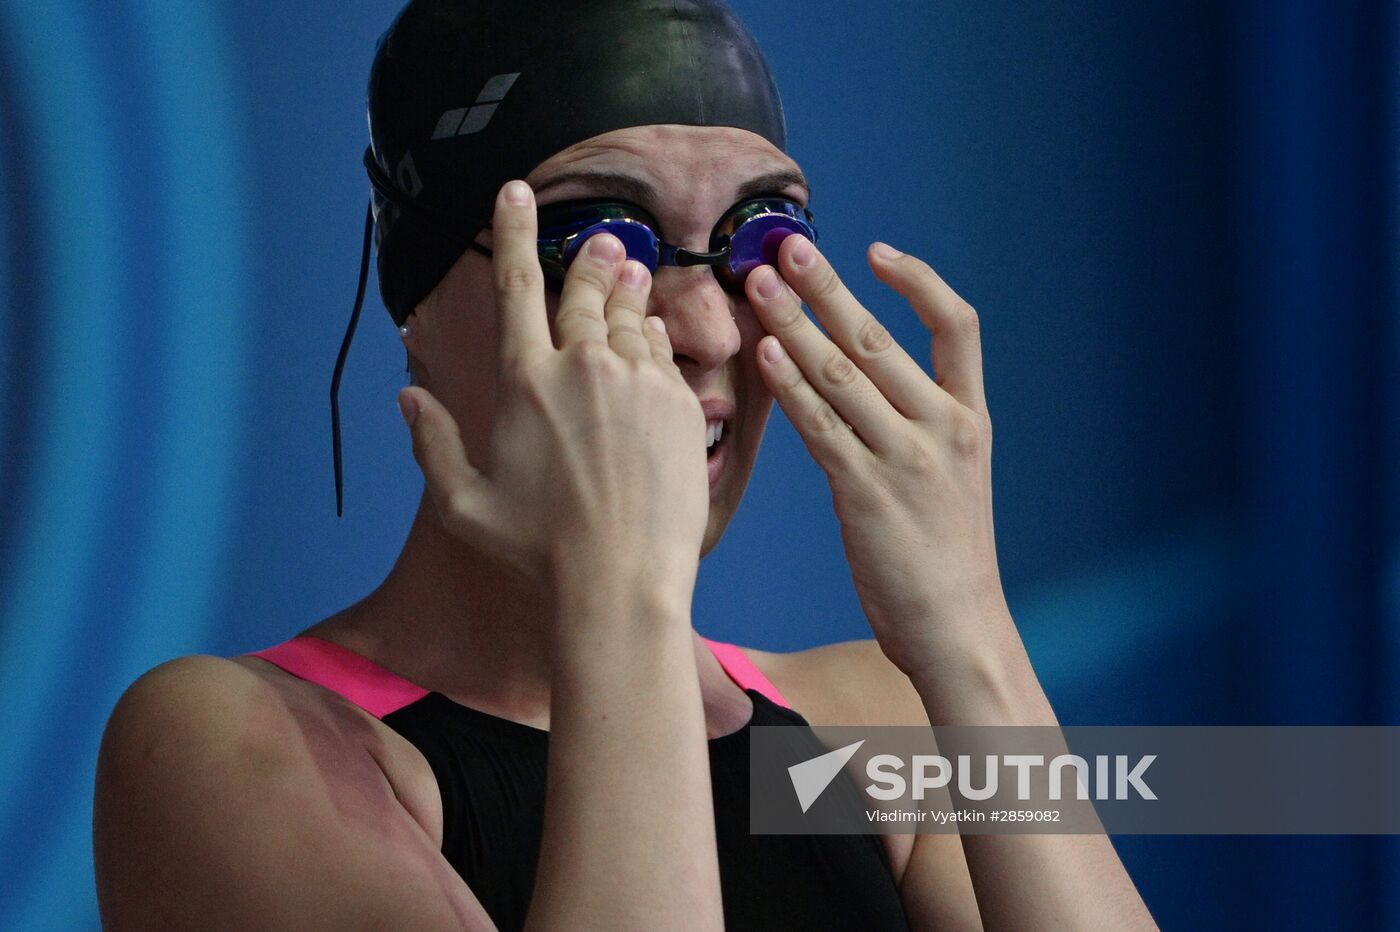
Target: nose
(699,316)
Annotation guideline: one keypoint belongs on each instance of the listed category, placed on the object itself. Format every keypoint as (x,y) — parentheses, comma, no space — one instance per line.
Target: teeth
(714,430)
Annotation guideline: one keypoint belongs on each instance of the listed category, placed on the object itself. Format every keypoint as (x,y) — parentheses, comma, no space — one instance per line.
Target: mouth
(714,436)
(719,421)
(718,428)
(717,437)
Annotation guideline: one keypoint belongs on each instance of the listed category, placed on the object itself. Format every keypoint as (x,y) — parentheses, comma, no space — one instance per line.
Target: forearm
(629,839)
(1024,880)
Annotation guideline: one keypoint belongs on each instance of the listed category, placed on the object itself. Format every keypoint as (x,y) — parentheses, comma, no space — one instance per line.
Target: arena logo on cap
(466,120)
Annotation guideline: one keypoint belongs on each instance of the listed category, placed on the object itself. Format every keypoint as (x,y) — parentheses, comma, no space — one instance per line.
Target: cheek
(752,396)
(462,361)
(750,332)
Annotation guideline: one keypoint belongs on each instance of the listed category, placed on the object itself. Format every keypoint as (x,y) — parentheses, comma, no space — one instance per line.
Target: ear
(410,337)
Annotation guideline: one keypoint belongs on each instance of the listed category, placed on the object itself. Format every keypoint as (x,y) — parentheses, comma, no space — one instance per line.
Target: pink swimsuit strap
(743,671)
(341,670)
(379,692)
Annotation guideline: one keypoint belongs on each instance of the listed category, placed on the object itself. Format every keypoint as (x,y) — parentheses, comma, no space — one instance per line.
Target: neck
(458,624)
(453,622)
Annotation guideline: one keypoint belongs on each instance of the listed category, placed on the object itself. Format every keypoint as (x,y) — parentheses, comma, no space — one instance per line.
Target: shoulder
(228,719)
(172,759)
(194,693)
(217,780)
(192,721)
(846,683)
(226,703)
(182,719)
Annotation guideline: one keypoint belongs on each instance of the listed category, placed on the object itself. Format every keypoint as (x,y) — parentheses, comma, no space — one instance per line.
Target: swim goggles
(747,236)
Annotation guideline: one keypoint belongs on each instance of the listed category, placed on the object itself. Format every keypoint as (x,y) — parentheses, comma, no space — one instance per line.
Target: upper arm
(220,803)
(854,683)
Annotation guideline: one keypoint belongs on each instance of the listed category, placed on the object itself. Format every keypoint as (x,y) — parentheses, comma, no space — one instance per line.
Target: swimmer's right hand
(596,456)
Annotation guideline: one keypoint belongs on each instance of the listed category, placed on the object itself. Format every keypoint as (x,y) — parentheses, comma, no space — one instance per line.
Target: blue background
(1177,220)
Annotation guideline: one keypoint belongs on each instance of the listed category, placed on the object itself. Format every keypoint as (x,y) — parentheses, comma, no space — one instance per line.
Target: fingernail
(604,247)
(886,251)
(773,350)
(408,407)
(518,193)
(633,273)
(769,286)
(803,254)
(656,323)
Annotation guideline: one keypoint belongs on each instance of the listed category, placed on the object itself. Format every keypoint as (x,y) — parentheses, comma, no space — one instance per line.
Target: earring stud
(403,331)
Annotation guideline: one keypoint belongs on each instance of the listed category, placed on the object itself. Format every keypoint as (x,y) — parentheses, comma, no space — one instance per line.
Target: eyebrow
(616,184)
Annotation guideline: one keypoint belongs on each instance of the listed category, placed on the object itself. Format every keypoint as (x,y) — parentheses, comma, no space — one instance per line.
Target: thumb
(453,482)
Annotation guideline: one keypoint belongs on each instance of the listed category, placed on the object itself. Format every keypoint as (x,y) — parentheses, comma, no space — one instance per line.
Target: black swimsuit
(491,775)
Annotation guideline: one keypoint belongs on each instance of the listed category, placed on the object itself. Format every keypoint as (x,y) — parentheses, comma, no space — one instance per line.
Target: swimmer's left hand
(908,458)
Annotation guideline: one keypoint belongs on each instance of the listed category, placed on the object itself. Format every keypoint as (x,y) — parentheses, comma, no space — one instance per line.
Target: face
(686,177)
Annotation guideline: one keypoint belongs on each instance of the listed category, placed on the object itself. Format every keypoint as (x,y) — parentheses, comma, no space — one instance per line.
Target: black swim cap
(465,95)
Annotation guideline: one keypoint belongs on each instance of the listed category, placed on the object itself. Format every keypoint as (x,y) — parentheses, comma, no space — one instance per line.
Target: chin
(713,532)
(728,493)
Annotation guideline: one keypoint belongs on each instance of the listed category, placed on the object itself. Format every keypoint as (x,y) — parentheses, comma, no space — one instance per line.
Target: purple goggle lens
(756,243)
(637,238)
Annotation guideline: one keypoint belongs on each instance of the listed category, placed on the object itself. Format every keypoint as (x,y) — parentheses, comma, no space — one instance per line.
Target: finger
(824,366)
(865,341)
(830,440)
(626,307)
(523,325)
(957,337)
(655,330)
(454,484)
(587,284)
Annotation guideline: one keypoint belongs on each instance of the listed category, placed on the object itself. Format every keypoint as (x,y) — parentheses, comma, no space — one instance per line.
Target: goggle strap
(340,360)
(446,223)
(345,352)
